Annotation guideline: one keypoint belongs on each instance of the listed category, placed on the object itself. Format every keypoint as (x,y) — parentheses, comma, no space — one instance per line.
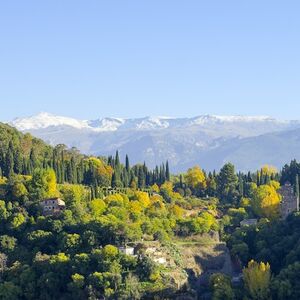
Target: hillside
(80,227)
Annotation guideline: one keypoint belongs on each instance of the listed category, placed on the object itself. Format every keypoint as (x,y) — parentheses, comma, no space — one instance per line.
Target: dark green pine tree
(227,181)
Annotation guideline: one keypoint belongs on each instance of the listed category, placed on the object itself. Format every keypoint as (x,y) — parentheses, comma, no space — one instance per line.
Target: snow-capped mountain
(208,140)
(46,120)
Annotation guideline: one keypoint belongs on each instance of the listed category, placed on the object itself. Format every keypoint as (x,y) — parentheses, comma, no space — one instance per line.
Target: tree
(17,220)
(220,285)
(43,184)
(71,242)
(75,196)
(132,288)
(227,181)
(241,250)
(168,177)
(3,211)
(265,202)
(97,207)
(127,165)
(9,291)
(286,284)
(195,178)
(268,170)
(76,286)
(257,278)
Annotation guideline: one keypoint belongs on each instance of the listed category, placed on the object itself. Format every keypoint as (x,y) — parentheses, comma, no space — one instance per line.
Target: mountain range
(207,140)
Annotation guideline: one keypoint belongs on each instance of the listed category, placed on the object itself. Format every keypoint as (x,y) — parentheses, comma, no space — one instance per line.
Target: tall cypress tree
(141,178)
(117,160)
(127,165)
(18,162)
(167,171)
(9,160)
(33,159)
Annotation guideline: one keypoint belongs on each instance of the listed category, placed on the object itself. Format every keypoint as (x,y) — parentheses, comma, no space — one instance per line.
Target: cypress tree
(127,165)
(181,181)
(156,175)
(261,182)
(241,186)
(62,167)
(117,160)
(33,159)
(113,180)
(257,179)
(141,178)
(249,178)
(167,171)
(9,163)
(18,161)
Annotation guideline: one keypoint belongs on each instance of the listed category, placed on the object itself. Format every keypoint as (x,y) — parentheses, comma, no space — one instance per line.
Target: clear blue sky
(90,59)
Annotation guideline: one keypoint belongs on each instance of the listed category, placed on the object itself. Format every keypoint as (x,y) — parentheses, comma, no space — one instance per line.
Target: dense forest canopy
(110,205)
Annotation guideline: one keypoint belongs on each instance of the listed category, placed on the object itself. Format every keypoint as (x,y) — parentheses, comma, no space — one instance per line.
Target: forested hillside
(129,232)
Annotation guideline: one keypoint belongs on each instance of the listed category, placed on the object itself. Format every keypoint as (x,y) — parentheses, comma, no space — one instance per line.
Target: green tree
(9,291)
(7,243)
(227,181)
(43,184)
(220,286)
(131,288)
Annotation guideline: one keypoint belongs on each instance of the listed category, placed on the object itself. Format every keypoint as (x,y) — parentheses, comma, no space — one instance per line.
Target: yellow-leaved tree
(265,201)
(195,178)
(257,278)
(268,170)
